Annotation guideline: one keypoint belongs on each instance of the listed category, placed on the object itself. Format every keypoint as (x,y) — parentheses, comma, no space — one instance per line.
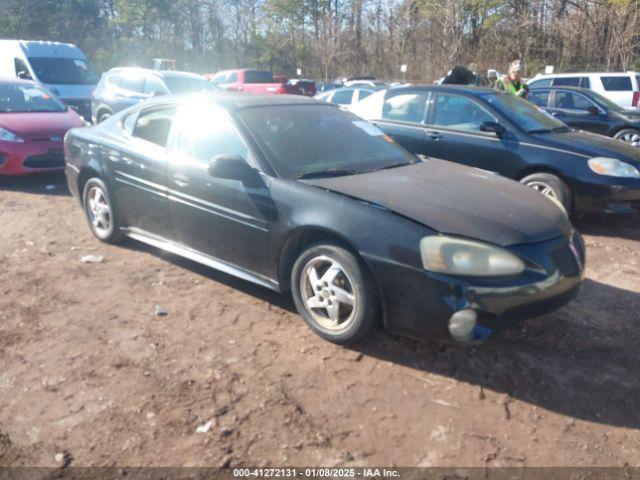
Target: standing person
(512,82)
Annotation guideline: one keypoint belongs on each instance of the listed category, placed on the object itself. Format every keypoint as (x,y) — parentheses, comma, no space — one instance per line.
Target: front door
(578,111)
(222,218)
(453,133)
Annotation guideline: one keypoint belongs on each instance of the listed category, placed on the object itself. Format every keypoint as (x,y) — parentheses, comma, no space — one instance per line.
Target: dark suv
(120,88)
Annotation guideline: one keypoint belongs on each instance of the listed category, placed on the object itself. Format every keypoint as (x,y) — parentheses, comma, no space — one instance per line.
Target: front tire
(100,212)
(629,135)
(551,186)
(334,293)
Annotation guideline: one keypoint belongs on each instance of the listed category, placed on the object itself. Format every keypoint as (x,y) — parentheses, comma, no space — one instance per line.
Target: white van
(60,67)
(621,88)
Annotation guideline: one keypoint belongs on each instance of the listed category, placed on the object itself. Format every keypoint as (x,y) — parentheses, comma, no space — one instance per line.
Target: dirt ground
(89,375)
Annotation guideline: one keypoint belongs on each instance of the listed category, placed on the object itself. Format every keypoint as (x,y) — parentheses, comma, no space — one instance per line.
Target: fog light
(461,325)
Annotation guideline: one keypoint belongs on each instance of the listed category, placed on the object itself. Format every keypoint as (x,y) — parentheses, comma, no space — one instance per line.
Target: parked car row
(491,131)
(428,239)
(623,89)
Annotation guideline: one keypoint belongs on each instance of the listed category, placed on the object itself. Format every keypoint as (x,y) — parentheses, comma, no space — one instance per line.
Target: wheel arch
(301,238)
(530,170)
(617,130)
(84,176)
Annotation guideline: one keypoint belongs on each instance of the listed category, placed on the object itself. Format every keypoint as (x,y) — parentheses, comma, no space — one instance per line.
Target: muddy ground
(89,375)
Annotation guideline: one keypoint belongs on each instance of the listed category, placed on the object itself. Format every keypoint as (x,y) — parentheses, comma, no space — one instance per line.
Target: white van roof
(33,48)
(583,74)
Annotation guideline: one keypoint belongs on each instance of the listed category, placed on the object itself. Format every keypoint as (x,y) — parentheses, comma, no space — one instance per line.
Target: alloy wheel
(630,137)
(99,211)
(543,188)
(328,294)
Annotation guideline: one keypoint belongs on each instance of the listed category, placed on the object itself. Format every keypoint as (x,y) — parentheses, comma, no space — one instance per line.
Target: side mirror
(494,127)
(24,75)
(593,110)
(157,93)
(234,167)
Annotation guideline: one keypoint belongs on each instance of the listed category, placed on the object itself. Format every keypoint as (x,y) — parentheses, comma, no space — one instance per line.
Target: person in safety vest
(512,83)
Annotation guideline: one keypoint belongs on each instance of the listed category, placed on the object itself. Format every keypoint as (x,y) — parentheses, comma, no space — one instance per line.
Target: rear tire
(629,135)
(100,212)
(334,293)
(551,186)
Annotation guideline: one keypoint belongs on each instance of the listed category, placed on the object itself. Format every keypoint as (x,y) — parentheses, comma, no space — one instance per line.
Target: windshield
(318,140)
(523,113)
(605,101)
(179,85)
(24,98)
(63,71)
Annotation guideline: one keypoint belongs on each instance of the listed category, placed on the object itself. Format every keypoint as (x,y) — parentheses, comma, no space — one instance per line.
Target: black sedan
(294,194)
(505,134)
(588,110)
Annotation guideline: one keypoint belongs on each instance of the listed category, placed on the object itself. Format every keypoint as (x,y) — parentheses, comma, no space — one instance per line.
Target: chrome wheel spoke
(342,296)
(331,274)
(333,309)
(315,302)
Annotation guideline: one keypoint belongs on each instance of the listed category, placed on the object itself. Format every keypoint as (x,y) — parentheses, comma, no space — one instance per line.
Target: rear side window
(21,69)
(133,82)
(153,85)
(364,94)
(154,125)
(406,107)
(113,79)
(566,82)
(617,84)
(541,99)
(342,97)
(257,76)
(543,82)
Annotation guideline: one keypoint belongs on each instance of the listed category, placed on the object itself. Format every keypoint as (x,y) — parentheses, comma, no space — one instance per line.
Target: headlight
(457,256)
(7,136)
(613,167)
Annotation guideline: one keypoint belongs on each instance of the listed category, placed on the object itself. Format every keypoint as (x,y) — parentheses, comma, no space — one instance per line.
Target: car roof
(159,73)
(581,74)
(586,91)
(446,88)
(238,101)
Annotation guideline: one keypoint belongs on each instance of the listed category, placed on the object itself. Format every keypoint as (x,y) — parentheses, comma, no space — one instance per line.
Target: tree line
(330,38)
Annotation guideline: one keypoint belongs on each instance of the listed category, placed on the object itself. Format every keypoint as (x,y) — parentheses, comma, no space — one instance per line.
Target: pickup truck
(251,81)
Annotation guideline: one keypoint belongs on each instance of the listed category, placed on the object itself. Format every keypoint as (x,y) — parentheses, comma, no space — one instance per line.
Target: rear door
(138,169)
(573,108)
(222,218)
(403,115)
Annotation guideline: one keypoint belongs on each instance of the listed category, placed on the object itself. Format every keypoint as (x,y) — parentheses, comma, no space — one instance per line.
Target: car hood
(458,200)
(34,124)
(589,145)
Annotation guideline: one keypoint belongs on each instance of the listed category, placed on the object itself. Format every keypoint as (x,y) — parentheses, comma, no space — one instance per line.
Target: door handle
(433,135)
(180,180)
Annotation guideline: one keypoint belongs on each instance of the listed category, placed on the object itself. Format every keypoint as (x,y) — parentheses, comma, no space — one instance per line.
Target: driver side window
(572,101)
(460,113)
(207,133)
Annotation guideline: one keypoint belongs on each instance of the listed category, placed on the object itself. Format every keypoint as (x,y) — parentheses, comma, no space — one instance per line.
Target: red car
(250,81)
(32,126)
